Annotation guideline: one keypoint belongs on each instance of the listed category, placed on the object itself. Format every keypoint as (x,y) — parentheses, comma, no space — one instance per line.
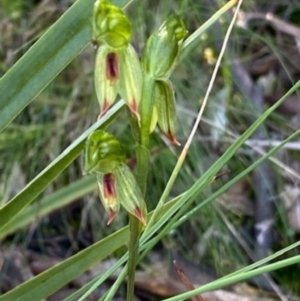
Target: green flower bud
(105,157)
(131,79)
(129,194)
(166,110)
(110,25)
(108,195)
(103,153)
(106,77)
(175,24)
(162,48)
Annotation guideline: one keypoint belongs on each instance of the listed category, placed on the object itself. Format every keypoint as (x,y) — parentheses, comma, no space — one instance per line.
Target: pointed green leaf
(61,43)
(45,284)
(42,180)
(48,204)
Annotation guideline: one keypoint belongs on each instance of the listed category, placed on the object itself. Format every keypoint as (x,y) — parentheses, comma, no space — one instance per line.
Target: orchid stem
(143,158)
(143,154)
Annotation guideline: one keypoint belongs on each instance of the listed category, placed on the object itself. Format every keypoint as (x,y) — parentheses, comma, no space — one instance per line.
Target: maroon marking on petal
(139,215)
(112,67)
(109,190)
(111,216)
(172,138)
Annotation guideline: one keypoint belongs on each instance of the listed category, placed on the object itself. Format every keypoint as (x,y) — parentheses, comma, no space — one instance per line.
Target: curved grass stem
(133,248)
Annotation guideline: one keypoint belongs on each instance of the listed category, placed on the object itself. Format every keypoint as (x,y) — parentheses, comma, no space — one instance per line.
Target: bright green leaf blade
(42,180)
(45,284)
(46,59)
(56,200)
(56,277)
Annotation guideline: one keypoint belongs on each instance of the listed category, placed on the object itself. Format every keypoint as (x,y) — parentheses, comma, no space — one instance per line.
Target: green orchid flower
(105,157)
(118,69)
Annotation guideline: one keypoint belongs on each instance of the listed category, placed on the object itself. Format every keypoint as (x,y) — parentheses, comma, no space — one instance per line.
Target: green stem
(146,108)
(143,158)
(142,152)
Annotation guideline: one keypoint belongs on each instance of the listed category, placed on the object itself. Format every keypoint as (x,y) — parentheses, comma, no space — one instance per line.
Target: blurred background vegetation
(263,55)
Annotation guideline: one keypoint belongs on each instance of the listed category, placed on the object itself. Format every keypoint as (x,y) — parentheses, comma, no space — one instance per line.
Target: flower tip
(173,139)
(104,109)
(111,217)
(176,142)
(133,106)
(139,215)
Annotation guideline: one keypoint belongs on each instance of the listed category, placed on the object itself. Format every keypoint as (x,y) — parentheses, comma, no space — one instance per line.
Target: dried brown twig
(185,280)
(278,24)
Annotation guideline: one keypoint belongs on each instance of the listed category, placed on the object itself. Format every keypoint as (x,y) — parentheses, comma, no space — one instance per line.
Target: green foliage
(110,25)
(104,153)
(162,49)
(12,8)
(36,69)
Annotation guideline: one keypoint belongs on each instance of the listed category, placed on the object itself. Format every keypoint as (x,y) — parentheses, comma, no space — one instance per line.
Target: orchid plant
(148,92)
